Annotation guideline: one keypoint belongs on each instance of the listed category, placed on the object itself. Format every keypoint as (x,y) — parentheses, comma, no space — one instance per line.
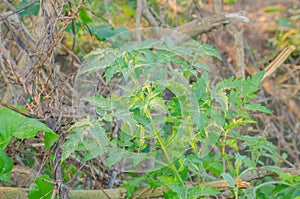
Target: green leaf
(99,59)
(201,191)
(70,146)
(147,44)
(218,116)
(283,22)
(99,101)
(201,65)
(213,165)
(49,139)
(210,51)
(98,143)
(235,123)
(158,104)
(176,187)
(140,117)
(229,179)
(242,159)
(132,185)
(201,87)
(41,188)
(230,83)
(232,143)
(84,16)
(110,72)
(170,43)
(115,155)
(221,98)
(6,165)
(234,99)
(16,125)
(29,10)
(256,107)
(103,31)
(270,10)
(256,79)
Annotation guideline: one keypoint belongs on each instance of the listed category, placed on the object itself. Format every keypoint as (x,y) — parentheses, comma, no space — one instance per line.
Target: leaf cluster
(174,118)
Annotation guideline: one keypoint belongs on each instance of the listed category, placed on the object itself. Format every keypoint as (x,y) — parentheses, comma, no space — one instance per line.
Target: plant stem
(223,150)
(161,142)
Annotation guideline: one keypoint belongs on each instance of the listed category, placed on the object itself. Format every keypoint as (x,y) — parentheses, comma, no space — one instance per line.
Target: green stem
(223,150)
(161,142)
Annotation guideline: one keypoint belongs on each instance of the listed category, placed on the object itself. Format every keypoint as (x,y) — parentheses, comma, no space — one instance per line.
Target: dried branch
(240,54)
(278,61)
(261,172)
(139,8)
(199,26)
(20,78)
(146,192)
(148,15)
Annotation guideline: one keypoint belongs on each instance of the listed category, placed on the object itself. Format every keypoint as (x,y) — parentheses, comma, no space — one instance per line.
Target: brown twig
(278,61)
(239,52)
(139,8)
(148,15)
(14,67)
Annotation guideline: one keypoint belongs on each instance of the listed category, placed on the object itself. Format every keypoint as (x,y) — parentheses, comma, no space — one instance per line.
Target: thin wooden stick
(278,61)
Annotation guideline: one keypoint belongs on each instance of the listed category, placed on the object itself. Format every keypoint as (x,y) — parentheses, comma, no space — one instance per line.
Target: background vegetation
(49,147)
